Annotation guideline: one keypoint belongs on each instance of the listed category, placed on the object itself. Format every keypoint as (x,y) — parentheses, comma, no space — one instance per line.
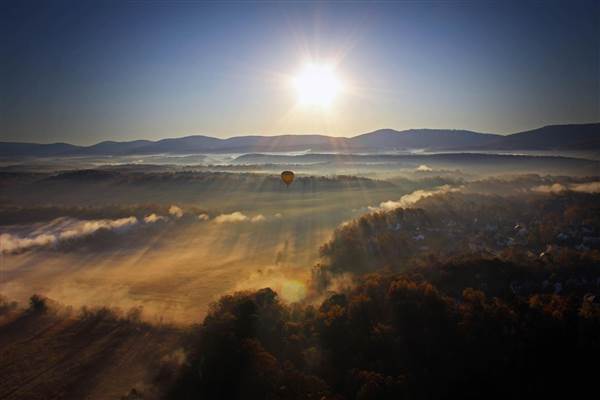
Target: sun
(317,85)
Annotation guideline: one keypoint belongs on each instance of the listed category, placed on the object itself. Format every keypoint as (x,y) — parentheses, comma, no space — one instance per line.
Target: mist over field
(174,238)
(171,240)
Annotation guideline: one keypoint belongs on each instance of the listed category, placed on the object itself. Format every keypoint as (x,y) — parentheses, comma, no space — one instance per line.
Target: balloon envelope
(287,177)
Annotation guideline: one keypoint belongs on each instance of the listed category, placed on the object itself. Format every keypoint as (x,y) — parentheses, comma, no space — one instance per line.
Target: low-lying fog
(123,245)
(173,238)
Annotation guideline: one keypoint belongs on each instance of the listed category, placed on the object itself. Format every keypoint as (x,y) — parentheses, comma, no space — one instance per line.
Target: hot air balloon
(287,177)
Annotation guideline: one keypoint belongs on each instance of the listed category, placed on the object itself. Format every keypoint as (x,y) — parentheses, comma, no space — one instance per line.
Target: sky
(87,71)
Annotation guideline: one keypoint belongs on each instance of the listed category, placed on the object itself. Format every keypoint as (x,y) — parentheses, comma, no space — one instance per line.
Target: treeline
(115,180)
(205,177)
(463,223)
(428,333)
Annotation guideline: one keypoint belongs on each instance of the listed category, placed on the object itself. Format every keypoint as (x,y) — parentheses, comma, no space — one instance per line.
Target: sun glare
(317,85)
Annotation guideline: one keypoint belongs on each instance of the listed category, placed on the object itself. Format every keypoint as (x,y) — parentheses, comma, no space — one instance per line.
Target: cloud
(176,211)
(258,218)
(411,198)
(152,218)
(233,217)
(587,187)
(203,217)
(60,230)
(423,168)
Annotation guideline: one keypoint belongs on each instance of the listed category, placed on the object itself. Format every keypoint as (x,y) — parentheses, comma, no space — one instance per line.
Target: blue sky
(84,72)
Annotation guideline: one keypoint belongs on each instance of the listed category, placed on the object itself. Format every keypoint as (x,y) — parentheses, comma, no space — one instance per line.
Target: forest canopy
(443,322)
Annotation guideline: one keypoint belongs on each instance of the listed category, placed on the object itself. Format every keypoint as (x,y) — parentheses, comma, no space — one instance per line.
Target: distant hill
(19,149)
(113,148)
(429,139)
(553,137)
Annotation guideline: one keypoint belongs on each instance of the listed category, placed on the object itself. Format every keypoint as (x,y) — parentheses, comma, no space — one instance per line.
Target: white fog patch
(203,217)
(60,230)
(554,188)
(409,199)
(238,216)
(175,211)
(423,168)
(13,244)
(233,217)
(152,218)
(587,187)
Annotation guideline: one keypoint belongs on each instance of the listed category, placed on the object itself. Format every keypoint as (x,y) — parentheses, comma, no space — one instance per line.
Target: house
(562,236)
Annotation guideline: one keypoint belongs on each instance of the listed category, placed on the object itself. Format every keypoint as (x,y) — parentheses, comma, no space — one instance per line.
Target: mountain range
(552,137)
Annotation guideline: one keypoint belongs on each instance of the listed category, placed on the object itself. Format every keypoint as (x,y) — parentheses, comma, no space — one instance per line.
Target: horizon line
(299,134)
